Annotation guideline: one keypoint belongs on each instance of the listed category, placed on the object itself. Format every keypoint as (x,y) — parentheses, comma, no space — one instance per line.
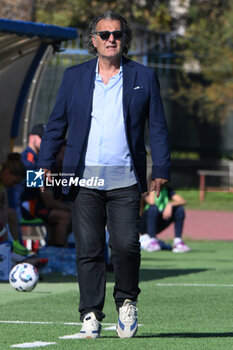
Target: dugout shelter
(25,49)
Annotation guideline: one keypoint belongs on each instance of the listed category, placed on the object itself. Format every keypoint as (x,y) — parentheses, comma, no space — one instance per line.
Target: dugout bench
(203,173)
(34,233)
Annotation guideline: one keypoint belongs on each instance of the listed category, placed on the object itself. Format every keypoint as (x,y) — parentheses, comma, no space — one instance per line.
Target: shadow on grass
(176,335)
(55,277)
(187,335)
(145,275)
(155,274)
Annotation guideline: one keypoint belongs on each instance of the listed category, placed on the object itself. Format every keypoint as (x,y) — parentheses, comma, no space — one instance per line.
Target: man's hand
(157,184)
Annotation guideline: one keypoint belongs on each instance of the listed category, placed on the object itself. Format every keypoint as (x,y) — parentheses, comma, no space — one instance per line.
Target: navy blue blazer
(71,116)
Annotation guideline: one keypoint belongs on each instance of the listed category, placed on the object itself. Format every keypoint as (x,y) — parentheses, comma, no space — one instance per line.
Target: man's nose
(111,37)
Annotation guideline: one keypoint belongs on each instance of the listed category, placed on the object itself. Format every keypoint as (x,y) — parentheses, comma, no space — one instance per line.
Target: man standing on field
(104,104)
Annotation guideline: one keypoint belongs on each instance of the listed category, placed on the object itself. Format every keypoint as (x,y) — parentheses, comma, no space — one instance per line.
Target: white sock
(177,240)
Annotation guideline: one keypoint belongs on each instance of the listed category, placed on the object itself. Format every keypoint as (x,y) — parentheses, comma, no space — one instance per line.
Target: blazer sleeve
(158,133)
(56,128)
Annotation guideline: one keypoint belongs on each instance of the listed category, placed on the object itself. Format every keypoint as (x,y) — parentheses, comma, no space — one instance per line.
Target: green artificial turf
(185,303)
(213,200)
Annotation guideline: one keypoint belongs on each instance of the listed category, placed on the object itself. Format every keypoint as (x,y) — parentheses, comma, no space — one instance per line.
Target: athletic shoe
(149,244)
(127,322)
(153,246)
(144,241)
(91,327)
(20,249)
(180,247)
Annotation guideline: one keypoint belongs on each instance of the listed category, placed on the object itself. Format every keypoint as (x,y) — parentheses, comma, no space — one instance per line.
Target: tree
(17,10)
(153,14)
(205,86)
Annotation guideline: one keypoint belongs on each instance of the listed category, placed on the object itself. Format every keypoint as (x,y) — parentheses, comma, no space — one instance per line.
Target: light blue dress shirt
(107,154)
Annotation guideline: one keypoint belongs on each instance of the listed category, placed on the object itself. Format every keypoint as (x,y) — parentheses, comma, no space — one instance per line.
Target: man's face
(110,48)
(36,142)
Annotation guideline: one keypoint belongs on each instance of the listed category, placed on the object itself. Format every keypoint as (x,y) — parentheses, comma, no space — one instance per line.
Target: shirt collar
(97,65)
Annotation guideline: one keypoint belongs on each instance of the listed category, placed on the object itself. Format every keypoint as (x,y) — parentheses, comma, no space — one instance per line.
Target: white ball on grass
(23,277)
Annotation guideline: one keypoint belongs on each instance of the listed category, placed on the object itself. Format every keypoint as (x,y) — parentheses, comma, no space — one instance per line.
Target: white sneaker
(91,327)
(144,241)
(153,246)
(127,323)
(149,244)
(180,247)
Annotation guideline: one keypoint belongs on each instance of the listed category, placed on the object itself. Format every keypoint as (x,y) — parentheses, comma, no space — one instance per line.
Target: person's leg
(154,225)
(148,229)
(13,223)
(178,218)
(152,220)
(89,220)
(123,225)
(144,238)
(60,222)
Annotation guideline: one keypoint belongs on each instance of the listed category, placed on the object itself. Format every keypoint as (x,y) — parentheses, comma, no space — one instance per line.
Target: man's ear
(93,38)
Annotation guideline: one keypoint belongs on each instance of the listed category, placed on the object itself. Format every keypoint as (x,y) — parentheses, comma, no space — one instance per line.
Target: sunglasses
(117,34)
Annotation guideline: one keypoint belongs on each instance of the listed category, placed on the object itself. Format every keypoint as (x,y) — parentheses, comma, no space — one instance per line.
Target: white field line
(35,344)
(193,285)
(76,335)
(108,325)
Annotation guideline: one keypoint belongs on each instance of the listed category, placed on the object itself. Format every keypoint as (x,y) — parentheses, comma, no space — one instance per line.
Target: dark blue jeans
(153,223)
(92,210)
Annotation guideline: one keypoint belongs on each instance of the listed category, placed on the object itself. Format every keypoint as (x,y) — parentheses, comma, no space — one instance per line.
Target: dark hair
(14,164)
(38,129)
(113,16)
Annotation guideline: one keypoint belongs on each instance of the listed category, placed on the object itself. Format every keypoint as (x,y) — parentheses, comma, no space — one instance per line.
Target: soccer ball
(23,277)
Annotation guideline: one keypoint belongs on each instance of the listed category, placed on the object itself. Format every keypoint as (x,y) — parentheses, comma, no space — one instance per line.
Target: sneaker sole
(178,252)
(88,336)
(153,250)
(123,336)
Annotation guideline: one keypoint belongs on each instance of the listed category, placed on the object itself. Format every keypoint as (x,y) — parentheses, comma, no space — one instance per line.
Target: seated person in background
(35,204)
(12,172)
(158,214)
(54,198)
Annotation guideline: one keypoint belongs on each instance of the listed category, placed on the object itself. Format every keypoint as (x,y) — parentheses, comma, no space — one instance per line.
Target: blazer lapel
(129,76)
(89,85)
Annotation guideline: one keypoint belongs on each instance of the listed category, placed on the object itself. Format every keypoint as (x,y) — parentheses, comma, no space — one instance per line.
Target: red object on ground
(204,225)
(35,245)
